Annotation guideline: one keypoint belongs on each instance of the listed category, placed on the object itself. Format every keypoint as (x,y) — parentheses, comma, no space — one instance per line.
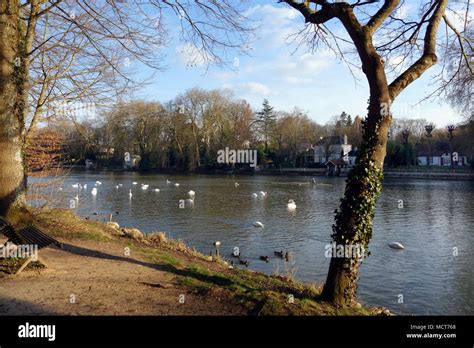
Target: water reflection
(436,217)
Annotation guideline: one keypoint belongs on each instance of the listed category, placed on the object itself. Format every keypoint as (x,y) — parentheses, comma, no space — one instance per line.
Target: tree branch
(376,21)
(326,13)
(461,46)
(428,57)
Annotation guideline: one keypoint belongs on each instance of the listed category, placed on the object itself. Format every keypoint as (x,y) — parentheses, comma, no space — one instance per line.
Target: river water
(434,274)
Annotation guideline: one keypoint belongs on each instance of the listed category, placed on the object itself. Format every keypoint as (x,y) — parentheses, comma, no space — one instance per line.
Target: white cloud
(404,10)
(249,88)
(276,23)
(272,12)
(256,87)
(189,55)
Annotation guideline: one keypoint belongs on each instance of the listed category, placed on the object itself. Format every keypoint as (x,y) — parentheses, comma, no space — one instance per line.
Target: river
(433,219)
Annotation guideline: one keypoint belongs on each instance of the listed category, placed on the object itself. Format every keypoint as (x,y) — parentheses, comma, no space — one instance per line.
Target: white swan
(130,193)
(291,205)
(191,193)
(157,190)
(258,224)
(168,182)
(98,182)
(263,194)
(134,183)
(116,187)
(94,191)
(254,195)
(236,184)
(396,245)
(144,187)
(176,184)
(75,185)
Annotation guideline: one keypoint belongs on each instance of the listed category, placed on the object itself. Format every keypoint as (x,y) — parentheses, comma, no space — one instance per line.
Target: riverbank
(415,173)
(464,173)
(106,270)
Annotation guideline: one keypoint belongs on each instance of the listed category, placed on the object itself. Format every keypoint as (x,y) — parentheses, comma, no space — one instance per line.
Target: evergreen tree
(266,120)
(349,121)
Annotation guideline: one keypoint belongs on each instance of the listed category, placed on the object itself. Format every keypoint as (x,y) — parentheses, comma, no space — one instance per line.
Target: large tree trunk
(12,173)
(353,221)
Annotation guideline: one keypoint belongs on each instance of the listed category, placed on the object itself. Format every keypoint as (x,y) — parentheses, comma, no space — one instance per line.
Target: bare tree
(379,33)
(66,50)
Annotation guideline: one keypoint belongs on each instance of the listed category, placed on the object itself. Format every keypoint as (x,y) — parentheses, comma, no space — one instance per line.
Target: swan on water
(291,205)
(135,183)
(144,187)
(157,190)
(236,184)
(98,182)
(254,195)
(75,185)
(176,184)
(258,224)
(396,245)
(263,194)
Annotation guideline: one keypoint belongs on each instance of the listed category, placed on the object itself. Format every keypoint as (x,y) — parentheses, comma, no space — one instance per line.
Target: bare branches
(376,21)
(428,57)
(460,40)
(86,50)
(213,28)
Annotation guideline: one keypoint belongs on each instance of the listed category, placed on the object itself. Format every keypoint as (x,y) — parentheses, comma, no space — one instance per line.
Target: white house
(332,148)
(131,161)
(441,158)
(352,156)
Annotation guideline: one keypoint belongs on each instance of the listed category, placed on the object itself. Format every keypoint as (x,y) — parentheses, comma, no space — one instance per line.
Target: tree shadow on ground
(164,267)
(11,306)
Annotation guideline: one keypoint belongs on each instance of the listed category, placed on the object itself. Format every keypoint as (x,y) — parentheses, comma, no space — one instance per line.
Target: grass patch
(260,294)
(171,260)
(194,285)
(63,223)
(11,265)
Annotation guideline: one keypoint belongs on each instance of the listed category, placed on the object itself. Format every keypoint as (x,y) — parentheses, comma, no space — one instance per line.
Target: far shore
(416,172)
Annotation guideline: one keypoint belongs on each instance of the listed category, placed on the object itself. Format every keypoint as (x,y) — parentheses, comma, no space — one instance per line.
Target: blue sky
(315,82)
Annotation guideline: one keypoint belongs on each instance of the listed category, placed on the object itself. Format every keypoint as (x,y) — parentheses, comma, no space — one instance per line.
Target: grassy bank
(204,277)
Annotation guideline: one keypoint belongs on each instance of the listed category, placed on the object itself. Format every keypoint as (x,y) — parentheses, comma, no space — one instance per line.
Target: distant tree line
(408,139)
(186,133)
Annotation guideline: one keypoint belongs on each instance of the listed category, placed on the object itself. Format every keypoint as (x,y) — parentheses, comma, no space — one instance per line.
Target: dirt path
(90,278)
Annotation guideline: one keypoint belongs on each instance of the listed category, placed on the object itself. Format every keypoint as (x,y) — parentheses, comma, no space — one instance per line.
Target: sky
(315,82)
